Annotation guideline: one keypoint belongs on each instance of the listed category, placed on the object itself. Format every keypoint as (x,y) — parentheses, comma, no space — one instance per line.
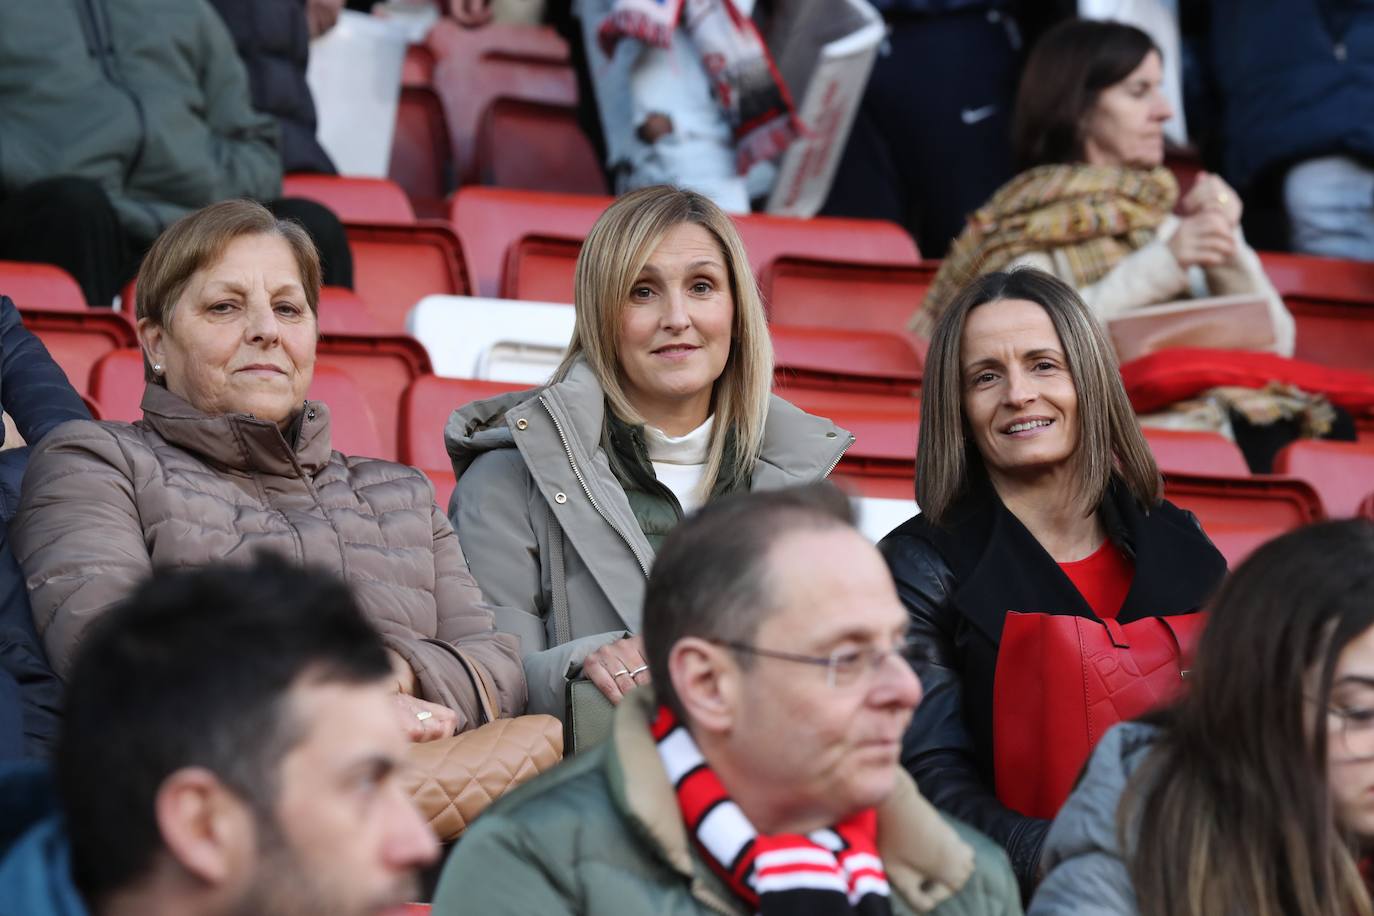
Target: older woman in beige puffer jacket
(230,459)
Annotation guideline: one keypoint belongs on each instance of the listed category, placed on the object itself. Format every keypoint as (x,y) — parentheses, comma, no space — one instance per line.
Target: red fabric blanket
(1154,382)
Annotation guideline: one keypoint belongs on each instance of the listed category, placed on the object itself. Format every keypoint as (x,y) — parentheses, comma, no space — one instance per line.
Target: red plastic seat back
(396,266)
(541,268)
(885,428)
(353,199)
(426,407)
(41,286)
(382,368)
(538,146)
(78,339)
(352,428)
(490,220)
(343,311)
(117,384)
(846,294)
(1333,303)
(1189,452)
(1342,473)
(467,80)
(1241,513)
(420,158)
(863,241)
(873,361)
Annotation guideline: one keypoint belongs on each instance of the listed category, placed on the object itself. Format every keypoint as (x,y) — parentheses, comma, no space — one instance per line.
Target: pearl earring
(157,368)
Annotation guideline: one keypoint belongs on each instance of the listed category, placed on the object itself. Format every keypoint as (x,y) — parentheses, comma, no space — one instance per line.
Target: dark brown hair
(1110,442)
(1233,805)
(1067,70)
(196,241)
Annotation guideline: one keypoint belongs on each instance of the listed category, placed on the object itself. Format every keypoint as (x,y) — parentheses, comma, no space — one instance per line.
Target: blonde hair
(616,250)
(1110,442)
(196,241)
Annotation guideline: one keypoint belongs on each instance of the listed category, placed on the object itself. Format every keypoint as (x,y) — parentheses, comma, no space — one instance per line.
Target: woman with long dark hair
(1255,794)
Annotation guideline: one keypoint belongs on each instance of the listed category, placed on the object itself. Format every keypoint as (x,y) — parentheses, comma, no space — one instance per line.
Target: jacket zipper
(558,427)
(838,457)
(102,42)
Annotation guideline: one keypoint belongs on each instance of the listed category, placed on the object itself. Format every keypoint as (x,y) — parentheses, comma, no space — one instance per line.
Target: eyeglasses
(843,667)
(1353,730)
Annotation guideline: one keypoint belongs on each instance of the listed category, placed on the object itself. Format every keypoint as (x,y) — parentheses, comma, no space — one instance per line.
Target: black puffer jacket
(273,41)
(959,581)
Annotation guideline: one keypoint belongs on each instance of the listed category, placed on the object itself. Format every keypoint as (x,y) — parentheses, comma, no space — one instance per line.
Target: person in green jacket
(119,117)
(759,773)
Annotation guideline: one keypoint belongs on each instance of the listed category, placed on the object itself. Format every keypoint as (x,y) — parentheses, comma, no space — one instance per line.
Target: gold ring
(424,714)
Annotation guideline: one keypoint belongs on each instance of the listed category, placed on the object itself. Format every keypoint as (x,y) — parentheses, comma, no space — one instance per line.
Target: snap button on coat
(560,498)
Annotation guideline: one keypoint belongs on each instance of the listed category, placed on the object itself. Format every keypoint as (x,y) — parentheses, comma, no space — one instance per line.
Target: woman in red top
(1042,520)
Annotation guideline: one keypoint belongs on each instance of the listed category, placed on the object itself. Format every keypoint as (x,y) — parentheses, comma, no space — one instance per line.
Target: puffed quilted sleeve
(937,749)
(77,534)
(465,624)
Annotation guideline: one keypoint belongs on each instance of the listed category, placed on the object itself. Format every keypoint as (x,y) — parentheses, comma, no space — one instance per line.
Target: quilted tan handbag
(453,780)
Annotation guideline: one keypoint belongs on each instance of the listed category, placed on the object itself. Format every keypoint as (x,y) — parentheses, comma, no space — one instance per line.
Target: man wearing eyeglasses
(759,772)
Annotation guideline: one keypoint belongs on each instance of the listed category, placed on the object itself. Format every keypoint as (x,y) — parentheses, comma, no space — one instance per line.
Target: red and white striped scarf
(746,83)
(833,871)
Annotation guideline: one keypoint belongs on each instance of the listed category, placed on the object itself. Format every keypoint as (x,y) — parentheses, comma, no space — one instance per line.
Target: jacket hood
(35,860)
(481,427)
(238,441)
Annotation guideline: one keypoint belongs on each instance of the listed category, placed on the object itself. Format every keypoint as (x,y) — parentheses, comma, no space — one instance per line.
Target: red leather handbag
(1062,681)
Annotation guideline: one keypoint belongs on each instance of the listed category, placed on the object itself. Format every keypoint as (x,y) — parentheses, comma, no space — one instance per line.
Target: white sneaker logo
(974,115)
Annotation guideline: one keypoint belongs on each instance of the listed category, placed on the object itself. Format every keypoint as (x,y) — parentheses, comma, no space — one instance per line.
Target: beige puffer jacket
(106,503)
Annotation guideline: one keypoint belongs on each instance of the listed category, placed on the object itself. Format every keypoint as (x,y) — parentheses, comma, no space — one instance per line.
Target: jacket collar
(238,441)
(925,860)
(1001,567)
(797,447)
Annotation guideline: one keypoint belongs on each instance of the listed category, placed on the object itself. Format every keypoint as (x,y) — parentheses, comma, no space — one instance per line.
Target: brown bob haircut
(1110,441)
(1067,70)
(196,241)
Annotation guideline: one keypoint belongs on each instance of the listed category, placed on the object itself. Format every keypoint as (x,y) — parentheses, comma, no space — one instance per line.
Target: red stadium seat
(1367,507)
(847,360)
(1333,304)
(1241,513)
(540,268)
(490,220)
(41,286)
(538,146)
(352,428)
(353,199)
(78,339)
(846,294)
(863,241)
(396,266)
(1190,452)
(1342,473)
(467,88)
(117,384)
(382,368)
(343,311)
(425,409)
(420,158)
(882,460)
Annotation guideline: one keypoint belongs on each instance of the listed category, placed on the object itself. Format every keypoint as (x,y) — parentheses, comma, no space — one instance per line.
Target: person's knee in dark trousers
(69,222)
(336,261)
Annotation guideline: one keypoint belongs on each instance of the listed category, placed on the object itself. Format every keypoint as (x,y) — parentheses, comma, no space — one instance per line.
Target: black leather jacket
(959,580)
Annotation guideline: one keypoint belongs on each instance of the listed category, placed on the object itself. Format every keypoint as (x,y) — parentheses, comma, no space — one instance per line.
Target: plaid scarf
(1094,215)
(746,83)
(834,871)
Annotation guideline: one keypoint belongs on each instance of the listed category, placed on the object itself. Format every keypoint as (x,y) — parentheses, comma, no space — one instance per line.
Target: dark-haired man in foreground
(760,772)
(228,748)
